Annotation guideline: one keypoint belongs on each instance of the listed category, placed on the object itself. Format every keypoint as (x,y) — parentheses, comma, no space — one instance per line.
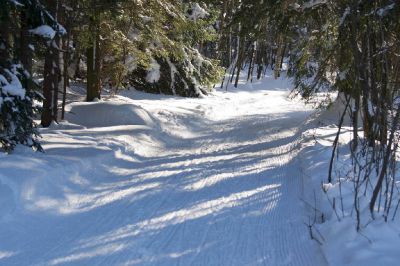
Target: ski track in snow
(216,183)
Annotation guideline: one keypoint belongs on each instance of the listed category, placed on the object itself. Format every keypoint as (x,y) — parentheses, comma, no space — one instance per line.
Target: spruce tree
(18,91)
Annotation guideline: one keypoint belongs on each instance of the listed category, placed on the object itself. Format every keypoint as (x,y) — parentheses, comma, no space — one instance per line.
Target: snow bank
(107,114)
(332,204)
(335,110)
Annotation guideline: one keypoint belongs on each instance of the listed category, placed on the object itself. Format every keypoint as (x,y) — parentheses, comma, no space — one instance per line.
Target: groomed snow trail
(211,181)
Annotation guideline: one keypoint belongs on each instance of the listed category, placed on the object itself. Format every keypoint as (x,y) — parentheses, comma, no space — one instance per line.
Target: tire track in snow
(279,251)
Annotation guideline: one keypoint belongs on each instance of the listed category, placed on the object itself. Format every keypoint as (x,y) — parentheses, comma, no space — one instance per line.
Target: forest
(340,56)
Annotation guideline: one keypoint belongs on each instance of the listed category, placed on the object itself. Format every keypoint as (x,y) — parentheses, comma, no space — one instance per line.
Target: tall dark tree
(52,69)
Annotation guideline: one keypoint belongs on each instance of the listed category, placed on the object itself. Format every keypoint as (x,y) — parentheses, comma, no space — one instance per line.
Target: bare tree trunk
(65,73)
(240,61)
(94,64)
(260,59)
(279,56)
(251,64)
(51,75)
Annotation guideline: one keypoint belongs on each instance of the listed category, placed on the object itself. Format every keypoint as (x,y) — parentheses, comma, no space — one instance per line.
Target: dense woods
(185,48)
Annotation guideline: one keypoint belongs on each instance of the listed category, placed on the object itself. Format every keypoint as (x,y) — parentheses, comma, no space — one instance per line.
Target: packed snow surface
(141,179)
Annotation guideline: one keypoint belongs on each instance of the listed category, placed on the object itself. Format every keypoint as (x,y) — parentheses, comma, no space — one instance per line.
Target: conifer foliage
(108,45)
(19,20)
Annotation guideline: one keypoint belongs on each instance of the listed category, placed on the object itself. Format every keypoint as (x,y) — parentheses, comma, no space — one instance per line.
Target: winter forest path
(211,181)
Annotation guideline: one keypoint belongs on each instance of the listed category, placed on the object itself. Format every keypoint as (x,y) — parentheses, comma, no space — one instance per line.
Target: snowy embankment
(332,212)
(141,179)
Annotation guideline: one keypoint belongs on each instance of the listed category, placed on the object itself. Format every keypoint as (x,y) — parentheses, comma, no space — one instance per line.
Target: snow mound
(108,114)
(332,115)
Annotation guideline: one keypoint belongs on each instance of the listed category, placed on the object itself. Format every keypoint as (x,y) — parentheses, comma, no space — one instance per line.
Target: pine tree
(17,89)
(52,69)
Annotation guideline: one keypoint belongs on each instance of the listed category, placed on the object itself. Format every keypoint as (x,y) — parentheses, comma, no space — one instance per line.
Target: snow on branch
(44,31)
(314,3)
(197,12)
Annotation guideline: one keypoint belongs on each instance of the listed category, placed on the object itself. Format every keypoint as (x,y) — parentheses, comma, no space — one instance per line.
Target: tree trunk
(51,75)
(50,85)
(250,71)
(25,48)
(5,39)
(94,64)
(65,73)
(385,163)
(239,61)
(279,56)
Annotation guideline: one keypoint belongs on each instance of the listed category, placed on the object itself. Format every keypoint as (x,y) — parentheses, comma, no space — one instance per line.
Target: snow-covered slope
(143,179)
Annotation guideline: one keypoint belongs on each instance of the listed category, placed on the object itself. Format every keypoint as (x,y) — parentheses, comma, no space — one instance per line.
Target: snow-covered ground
(141,179)
(377,242)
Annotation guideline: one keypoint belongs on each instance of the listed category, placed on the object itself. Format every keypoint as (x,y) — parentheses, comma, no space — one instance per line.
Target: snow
(12,87)
(346,13)
(173,71)
(145,19)
(131,63)
(44,31)
(153,73)
(141,179)
(108,114)
(377,242)
(384,10)
(16,2)
(313,3)
(197,12)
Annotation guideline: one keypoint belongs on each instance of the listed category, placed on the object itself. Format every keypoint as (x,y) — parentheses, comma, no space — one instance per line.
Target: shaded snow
(107,114)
